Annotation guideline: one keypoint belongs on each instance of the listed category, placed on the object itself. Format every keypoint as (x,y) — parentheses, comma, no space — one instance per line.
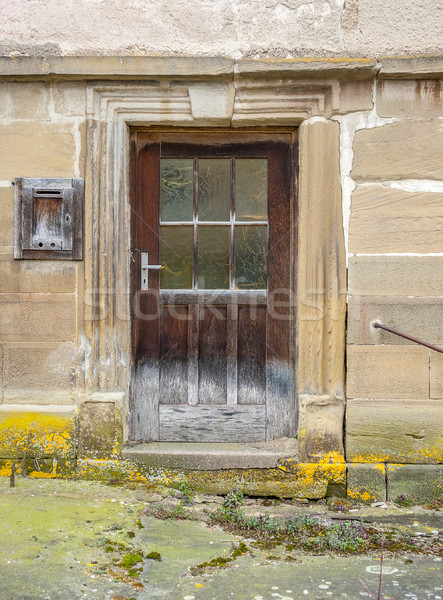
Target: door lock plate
(144,270)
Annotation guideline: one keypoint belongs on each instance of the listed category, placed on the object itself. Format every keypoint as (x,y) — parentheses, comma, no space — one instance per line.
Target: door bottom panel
(183,423)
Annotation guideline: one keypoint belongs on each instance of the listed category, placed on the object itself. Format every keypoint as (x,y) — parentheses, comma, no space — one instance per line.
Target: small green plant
(402,501)
(187,491)
(231,509)
(115,527)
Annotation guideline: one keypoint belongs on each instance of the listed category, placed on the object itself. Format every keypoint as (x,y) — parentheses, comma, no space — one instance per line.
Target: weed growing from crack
(232,506)
(187,491)
(309,534)
(401,500)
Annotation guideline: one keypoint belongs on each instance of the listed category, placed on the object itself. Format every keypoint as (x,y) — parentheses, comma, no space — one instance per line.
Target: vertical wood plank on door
(174,355)
(231,352)
(193,326)
(252,355)
(280,401)
(144,403)
(212,363)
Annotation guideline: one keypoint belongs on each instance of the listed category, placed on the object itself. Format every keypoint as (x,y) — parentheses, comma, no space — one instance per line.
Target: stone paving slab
(69,540)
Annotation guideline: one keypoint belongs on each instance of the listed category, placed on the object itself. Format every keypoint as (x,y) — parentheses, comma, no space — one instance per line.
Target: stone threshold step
(212,456)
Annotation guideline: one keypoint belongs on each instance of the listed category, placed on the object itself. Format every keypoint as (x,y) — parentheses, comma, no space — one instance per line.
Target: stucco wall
(236,29)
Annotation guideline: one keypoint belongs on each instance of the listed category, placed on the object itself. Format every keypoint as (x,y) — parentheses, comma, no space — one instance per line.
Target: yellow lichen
(37,434)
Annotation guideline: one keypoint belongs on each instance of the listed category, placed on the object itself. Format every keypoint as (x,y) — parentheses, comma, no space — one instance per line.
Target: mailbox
(48,218)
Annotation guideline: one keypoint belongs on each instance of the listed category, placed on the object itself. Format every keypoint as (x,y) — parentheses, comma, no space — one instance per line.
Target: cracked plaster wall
(271,28)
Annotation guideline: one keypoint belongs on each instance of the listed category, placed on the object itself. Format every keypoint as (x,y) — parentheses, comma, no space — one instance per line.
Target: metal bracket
(144,269)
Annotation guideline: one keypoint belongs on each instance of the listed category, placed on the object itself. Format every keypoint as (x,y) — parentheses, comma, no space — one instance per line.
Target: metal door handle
(145,266)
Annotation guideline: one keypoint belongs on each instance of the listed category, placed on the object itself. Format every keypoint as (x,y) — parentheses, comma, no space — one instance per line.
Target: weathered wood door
(212,256)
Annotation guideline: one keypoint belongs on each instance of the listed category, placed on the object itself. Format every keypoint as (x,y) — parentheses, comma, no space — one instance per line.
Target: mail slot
(48,218)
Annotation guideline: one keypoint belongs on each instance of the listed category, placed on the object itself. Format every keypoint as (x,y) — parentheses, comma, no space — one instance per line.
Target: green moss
(154,556)
(129,560)
(220,561)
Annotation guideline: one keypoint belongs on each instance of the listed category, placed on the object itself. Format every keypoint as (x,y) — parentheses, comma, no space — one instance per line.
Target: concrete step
(212,457)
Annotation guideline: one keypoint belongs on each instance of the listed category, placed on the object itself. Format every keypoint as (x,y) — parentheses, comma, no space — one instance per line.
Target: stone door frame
(257,95)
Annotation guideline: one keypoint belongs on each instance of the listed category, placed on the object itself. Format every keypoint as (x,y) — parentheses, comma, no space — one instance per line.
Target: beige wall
(236,29)
(42,131)
(384,132)
(395,275)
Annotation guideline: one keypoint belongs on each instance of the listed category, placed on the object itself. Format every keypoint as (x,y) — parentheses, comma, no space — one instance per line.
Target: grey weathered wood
(181,423)
(231,354)
(252,355)
(143,414)
(212,364)
(193,326)
(280,400)
(173,355)
(66,208)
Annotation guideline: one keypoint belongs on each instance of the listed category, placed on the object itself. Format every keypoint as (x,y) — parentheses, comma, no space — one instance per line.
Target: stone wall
(376,209)
(42,134)
(395,243)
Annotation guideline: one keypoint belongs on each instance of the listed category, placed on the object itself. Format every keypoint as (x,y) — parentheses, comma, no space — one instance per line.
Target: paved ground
(83,540)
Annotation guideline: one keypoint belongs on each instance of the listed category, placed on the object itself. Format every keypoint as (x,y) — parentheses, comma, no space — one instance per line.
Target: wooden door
(212,282)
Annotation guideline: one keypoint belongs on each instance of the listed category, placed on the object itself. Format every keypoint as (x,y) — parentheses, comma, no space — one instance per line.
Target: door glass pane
(213,258)
(251,189)
(176,252)
(214,187)
(250,257)
(177,189)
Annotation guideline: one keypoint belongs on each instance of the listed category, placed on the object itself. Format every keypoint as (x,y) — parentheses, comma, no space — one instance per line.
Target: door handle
(144,269)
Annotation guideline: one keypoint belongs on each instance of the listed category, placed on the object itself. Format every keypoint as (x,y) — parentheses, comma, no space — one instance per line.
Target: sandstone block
(320,429)
(391,220)
(7,220)
(403,150)
(387,372)
(321,262)
(21,276)
(28,100)
(69,98)
(35,149)
(418,317)
(436,375)
(416,483)
(410,99)
(354,96)
(396,275)
(37,317)
(41,432)
(212,101)
(397,431)
(97,429)
(1,374)
(367,482)
(44,374)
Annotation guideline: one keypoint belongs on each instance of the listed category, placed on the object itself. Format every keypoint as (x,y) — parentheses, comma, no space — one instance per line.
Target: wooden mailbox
(48,218)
